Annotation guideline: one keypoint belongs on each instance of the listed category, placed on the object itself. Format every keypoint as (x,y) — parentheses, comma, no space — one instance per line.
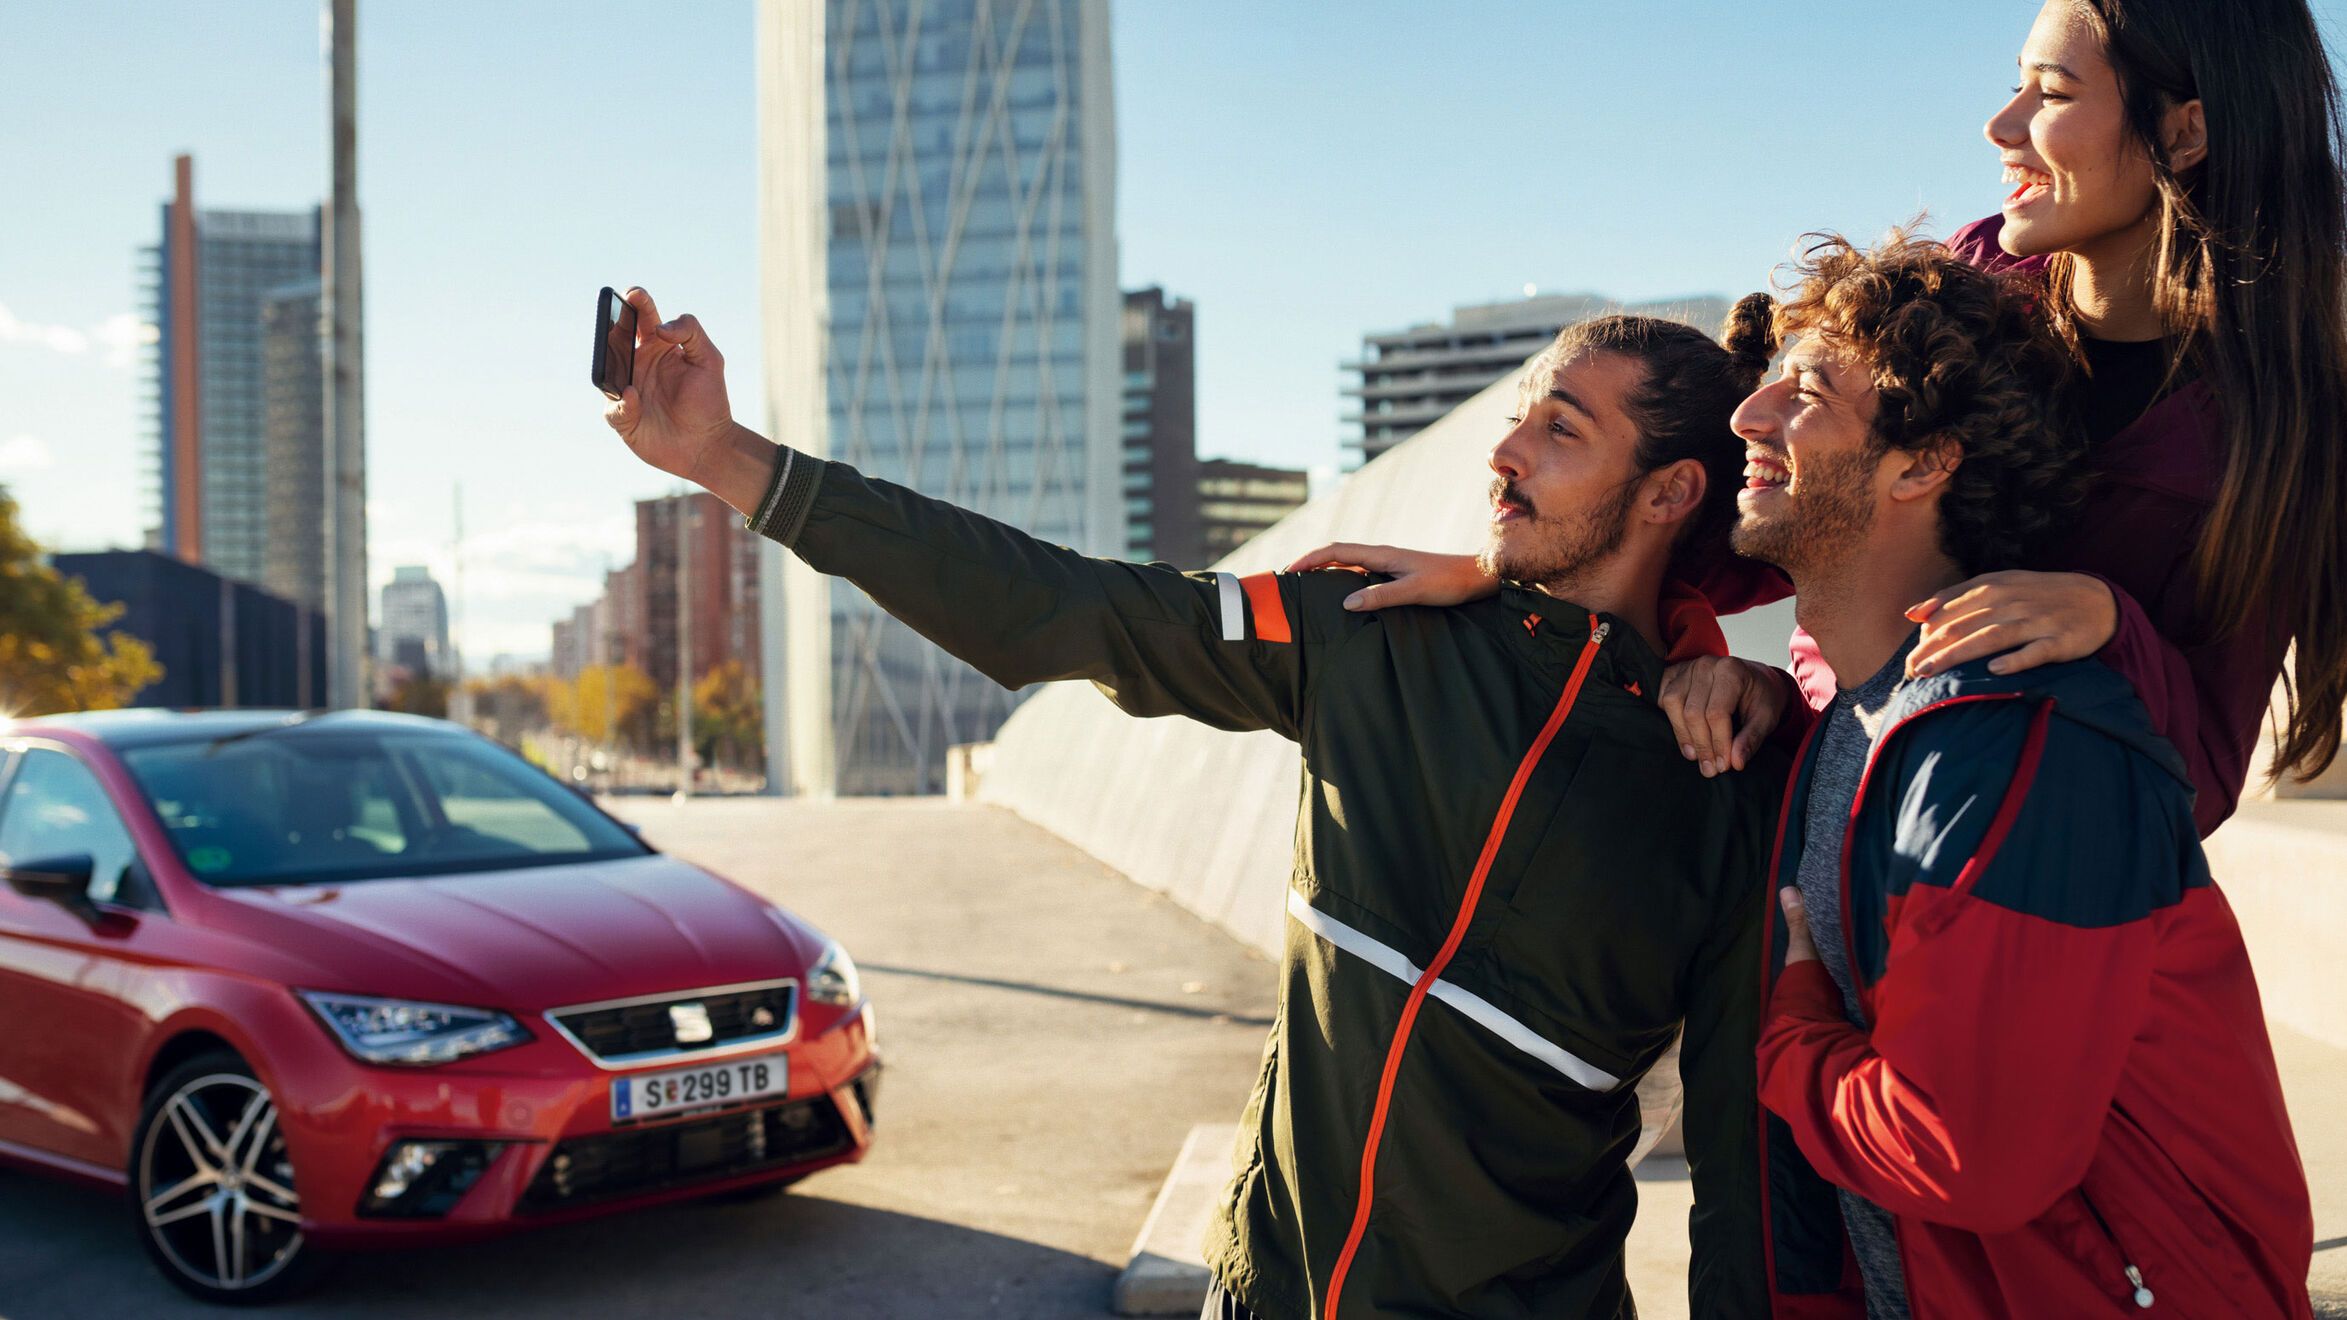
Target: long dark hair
(2250,276)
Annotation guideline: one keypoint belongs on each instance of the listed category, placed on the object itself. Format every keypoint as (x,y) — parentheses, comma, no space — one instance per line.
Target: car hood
(528,939)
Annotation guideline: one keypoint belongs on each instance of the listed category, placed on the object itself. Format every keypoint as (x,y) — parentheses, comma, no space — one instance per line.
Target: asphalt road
(1051,1030)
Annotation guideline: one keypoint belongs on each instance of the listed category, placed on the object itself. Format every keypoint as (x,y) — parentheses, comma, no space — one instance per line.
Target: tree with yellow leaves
(729,720)
(607,703)
(51,656)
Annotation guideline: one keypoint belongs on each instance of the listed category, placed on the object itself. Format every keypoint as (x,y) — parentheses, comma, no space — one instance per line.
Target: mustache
(1503,489)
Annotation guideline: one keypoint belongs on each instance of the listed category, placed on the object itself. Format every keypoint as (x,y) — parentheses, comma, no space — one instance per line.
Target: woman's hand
(2041,618)
(1420,577)
(674,413)
(1722,709)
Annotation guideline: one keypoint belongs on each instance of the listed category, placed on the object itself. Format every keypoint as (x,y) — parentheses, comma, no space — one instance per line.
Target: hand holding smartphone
(615,343)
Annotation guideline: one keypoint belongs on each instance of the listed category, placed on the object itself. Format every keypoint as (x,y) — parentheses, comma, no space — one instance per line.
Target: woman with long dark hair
(2178,191)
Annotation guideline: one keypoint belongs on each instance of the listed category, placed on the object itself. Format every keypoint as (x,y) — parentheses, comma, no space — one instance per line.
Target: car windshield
(317,807)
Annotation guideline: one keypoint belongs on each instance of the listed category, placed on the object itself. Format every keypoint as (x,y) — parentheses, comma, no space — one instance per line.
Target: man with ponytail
(1511,898)
(2012,1055)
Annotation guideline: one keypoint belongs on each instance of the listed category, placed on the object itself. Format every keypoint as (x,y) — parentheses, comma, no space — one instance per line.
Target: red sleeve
(1811,674)
(1999,1034)
(1734,584)
(2196,700)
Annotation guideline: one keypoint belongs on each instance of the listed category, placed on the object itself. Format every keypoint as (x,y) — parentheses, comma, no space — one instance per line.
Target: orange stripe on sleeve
(1271,616)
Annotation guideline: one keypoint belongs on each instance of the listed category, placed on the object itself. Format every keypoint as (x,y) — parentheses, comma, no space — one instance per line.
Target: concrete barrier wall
(2283,867)
(1206,817)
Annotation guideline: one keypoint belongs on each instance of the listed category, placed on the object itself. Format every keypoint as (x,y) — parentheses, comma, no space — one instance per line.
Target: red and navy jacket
(2067,1098)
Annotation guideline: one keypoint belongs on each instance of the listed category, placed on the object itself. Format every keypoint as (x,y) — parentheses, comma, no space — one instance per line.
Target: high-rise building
(1161,429)
(1236,501)
(938,229)
(293,446)
(212,275)
(720,578)
(1410,378)
(415,622)
(566,657)
(620,639)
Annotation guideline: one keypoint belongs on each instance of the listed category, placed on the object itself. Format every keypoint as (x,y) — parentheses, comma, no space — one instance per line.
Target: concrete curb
(1167,1272)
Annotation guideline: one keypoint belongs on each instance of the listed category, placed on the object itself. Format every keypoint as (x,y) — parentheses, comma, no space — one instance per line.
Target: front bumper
(559,1156)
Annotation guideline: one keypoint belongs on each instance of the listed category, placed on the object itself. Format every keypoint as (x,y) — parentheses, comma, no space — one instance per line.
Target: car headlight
(402,1031)
(834,979)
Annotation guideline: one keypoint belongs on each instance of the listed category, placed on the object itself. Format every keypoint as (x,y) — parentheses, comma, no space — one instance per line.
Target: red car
(311,983)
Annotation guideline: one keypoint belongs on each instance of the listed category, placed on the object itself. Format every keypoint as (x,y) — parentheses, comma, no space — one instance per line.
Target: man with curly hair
(2012,1061)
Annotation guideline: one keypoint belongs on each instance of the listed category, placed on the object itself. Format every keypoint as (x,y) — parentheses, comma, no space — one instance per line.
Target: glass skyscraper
(942,310)
(212,277)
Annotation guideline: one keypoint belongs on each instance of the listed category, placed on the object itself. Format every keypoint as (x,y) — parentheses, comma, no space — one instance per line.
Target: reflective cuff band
(1390,960)
(1234,607)
(790,494)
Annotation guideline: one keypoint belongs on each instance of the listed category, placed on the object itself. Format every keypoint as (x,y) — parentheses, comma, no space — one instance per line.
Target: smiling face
(1566,473)
(2080,180)
(1814,472)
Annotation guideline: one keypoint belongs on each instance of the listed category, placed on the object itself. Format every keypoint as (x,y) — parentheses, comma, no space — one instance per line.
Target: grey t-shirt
(1851,726)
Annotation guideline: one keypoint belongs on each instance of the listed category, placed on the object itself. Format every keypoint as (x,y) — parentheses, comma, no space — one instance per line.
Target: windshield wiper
(297,718)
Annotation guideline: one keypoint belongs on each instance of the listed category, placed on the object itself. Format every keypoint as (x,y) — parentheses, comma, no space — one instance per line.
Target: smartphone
(615,342)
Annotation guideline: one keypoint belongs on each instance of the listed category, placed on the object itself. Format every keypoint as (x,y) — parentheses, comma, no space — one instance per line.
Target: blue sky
(1305,172)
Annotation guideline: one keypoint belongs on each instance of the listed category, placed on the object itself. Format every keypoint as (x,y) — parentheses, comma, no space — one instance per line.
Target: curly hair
(1690,389)
(1958,356)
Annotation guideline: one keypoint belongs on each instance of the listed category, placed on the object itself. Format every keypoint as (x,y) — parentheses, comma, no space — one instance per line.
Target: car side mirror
(64,880)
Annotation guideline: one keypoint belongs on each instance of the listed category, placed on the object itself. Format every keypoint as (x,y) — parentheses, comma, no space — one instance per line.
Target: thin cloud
(60,338)
(120,337)
(25,453)
(117,339)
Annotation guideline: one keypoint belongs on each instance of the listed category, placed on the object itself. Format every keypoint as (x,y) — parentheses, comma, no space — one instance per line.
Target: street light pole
(346,449)
(684,647)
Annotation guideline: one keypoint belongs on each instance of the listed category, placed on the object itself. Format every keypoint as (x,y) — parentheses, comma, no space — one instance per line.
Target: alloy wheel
(215,1184)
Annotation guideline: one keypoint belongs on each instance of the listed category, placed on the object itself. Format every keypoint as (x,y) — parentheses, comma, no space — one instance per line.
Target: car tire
(212,1193)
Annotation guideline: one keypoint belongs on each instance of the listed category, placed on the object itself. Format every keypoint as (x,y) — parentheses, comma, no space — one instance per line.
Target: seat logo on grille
(691,1023)
(761,1017)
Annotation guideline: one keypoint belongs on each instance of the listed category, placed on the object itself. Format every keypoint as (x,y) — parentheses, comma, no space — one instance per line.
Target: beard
(1553,551)
(1826,523)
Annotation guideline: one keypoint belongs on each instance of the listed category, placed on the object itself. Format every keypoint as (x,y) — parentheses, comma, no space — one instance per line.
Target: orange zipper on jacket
(1442,959)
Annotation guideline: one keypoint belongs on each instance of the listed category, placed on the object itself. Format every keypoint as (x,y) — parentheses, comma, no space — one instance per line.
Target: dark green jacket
(1577,888)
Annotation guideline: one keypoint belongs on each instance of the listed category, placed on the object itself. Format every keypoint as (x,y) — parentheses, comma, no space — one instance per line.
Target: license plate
(651,1095)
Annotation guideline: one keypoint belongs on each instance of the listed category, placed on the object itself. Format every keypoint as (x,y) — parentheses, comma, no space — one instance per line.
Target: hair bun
(1750,333)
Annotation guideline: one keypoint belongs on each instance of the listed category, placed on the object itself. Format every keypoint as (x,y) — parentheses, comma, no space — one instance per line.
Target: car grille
(589,1169)
(637,1030)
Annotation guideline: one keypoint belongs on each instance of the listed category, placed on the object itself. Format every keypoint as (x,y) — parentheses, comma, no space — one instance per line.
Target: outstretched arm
(1226,651)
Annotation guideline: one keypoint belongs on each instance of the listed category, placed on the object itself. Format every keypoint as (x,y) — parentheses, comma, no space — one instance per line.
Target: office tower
(213,274)
(1238,500)
(1410,378)
(937,195)
(1161,430)
(293,446)
(415,623)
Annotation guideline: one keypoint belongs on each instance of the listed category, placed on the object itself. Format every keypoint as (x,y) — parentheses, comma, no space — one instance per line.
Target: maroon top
(2156,480)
